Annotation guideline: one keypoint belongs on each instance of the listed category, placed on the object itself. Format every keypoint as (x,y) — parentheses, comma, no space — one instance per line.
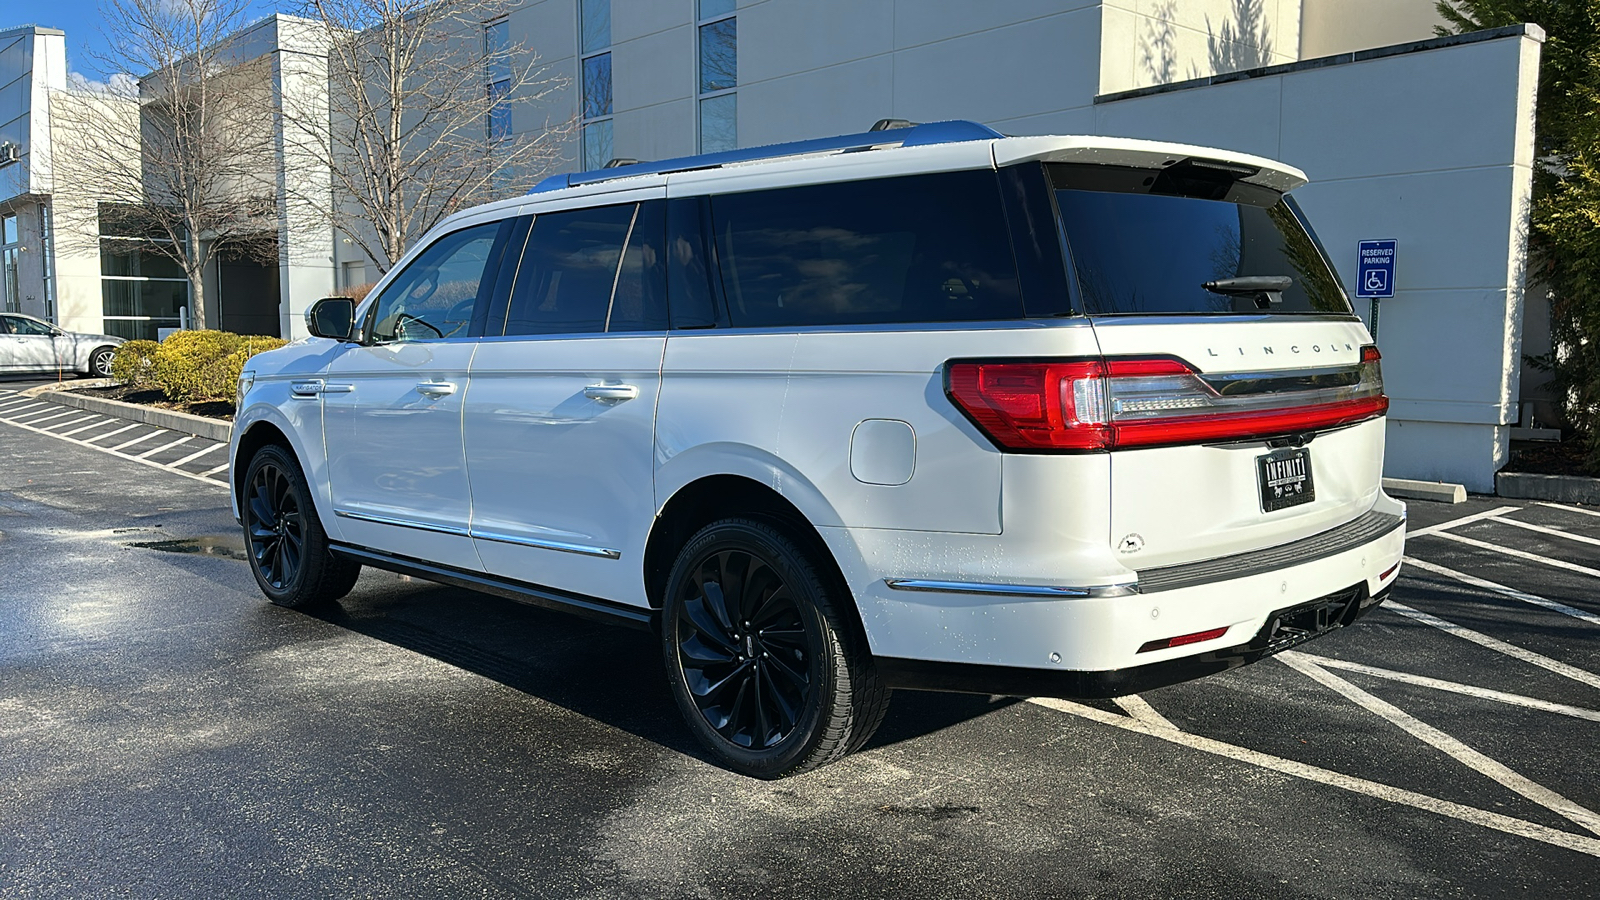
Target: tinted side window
(564,283)
(435,296)
(924,248)
(20,325)
(640,301)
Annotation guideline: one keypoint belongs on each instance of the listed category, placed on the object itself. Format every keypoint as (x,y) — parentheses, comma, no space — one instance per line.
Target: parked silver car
(29,345)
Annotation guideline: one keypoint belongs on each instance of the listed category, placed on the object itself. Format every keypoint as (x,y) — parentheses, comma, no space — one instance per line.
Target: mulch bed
(211,409)
(1565,458)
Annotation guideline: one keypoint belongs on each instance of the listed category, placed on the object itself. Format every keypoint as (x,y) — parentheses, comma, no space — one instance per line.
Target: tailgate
(1211,498)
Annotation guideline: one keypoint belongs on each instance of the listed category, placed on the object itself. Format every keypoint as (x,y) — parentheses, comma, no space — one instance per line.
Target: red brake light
(1087,405)
(1182,640)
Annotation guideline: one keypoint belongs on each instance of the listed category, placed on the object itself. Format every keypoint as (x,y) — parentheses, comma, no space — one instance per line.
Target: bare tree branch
(416,124)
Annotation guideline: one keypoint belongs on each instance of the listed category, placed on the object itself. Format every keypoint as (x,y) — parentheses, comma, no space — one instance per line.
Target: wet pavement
(164,732)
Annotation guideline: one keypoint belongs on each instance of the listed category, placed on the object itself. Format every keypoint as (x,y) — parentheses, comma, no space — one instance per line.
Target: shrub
(358,292)
(133,363)
(204,365)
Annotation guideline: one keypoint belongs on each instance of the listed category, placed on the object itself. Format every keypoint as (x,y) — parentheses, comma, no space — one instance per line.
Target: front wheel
(771,675)
(288,549)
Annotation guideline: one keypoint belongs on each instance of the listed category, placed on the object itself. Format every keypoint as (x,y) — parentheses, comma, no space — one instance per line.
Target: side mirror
(332,317)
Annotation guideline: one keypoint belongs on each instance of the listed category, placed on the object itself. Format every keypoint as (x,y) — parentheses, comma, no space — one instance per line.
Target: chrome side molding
(403,523)
(1011,590)
(541,543)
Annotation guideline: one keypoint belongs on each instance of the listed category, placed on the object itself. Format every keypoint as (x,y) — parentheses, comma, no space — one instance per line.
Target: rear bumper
(1285,628)
(1004,603)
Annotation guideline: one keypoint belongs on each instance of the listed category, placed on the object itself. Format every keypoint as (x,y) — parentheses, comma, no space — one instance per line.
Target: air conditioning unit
(9,153)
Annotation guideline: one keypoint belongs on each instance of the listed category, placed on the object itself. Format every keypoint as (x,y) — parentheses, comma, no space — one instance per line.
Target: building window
(497,71)
(142,289)
(719,76)
(594,25)
(10,251)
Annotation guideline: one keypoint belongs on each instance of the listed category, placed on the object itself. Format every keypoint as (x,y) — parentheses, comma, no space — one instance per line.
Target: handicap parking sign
(1375,269)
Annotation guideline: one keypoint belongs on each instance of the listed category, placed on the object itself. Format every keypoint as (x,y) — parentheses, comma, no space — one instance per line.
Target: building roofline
(1471,37)
(36,29)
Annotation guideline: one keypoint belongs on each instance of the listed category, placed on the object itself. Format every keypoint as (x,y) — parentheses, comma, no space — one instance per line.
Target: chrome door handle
(436,389)
(611,392)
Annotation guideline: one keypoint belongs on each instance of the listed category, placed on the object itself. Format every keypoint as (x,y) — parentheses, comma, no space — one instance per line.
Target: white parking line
(18,403)
(35,420)
(1576,509)
(1497,645)
(1466,690)
(1496,821)
(195,455)
(99,420)
(1519,554)
(142,462)
(138,440)
(78,421)
(1136,706)
(101,437)
(1422,731)
(180,441)
(210,472)
(1456,523)
(1554,532)
(1513,593)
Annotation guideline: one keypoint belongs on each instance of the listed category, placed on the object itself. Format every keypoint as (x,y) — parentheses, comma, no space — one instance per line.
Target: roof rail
(907,136)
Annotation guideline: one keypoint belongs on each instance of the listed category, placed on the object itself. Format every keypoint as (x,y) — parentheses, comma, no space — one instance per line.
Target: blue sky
(80,19)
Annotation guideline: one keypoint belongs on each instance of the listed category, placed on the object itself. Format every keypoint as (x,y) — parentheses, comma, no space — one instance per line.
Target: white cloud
(120,84)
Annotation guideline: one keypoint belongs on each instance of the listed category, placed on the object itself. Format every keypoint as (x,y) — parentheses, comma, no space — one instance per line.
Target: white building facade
(1425,141)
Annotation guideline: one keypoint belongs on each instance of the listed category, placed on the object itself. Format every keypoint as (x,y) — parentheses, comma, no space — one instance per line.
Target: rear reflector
(1197,637)
(1388,572)
(1116,403)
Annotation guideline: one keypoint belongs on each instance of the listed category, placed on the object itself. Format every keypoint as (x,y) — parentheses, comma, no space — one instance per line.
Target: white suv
(925,407)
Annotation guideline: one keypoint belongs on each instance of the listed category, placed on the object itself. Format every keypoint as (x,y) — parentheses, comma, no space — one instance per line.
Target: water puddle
(227,546)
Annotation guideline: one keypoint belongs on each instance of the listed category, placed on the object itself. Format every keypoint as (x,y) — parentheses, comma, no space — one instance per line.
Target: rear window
(1144,243)
(921,248)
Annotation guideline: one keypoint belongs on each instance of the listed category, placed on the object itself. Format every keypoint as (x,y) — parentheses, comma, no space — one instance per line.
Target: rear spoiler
(1092,150)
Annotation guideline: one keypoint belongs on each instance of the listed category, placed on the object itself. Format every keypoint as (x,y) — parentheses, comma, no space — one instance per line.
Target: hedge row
(190,365)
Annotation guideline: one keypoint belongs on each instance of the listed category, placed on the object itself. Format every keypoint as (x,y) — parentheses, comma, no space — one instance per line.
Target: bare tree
(186,156)
(417,121)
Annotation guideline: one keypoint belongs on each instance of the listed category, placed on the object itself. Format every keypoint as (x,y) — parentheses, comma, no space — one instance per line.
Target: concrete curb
(1439,492)
(1560,488)
(172,420)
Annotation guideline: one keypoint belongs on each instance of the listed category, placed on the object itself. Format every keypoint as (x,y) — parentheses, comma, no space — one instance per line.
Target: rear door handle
(436,389)
(611,392)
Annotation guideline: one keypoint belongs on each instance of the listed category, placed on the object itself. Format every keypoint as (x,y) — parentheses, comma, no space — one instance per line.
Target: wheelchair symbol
(1377,280)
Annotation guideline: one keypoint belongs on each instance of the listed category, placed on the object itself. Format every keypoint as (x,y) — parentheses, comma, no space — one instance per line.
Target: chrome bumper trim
(1010,590)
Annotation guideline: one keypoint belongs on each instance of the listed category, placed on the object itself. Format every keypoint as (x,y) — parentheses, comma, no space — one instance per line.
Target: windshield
(1140,251)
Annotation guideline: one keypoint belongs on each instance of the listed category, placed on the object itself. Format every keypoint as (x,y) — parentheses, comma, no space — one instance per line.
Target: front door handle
(611,392)
(436,389)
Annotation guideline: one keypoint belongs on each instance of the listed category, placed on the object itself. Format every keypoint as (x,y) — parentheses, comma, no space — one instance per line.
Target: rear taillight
(1108,404)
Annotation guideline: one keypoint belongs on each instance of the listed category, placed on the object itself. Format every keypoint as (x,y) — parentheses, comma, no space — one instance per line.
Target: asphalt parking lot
(164,732)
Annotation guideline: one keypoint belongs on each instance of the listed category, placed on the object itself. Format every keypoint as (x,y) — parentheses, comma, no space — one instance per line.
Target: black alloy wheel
(100,362)
(765,670)
(744,650)
(289,553)
(277,532)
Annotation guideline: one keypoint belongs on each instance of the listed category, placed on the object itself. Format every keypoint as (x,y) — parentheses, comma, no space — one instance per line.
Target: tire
(100,362)
(768,670)
(283,537)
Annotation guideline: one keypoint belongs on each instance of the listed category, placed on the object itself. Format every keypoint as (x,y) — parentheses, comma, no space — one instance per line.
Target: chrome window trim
(1010,590)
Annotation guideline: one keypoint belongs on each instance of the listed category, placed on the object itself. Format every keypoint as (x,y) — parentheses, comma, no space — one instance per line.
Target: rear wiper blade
(1250,284)
(1268,289)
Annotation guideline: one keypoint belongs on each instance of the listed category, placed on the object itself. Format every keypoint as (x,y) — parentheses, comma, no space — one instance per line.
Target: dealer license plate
(1285,478)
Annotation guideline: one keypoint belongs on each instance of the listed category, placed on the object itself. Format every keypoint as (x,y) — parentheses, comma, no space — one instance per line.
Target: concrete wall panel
(1240,115)
(835,100)
(919,22)
(778,39)
(653,69)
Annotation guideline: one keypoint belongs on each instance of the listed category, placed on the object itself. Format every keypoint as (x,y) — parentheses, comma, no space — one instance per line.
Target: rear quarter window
(922,248)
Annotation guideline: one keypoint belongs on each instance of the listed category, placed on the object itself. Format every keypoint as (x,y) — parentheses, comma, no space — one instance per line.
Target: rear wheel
(100,362)
(289,553)
(769,672)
